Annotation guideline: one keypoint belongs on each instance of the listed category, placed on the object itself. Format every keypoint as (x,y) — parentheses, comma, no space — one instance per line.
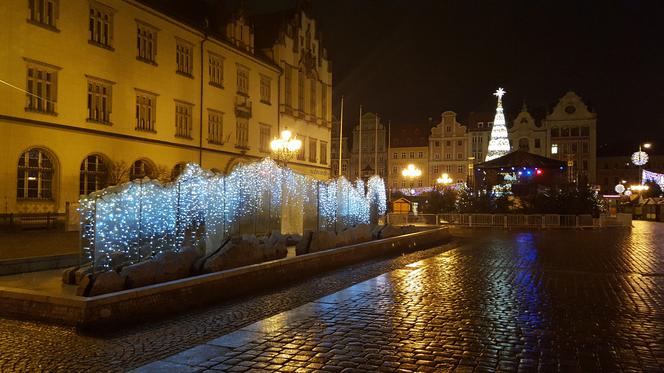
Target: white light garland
(128,223)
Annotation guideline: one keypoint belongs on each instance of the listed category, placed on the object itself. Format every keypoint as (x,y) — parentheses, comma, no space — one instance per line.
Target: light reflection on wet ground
(506,300)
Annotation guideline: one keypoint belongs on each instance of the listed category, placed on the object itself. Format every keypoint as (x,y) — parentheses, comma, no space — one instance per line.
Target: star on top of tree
(500,93)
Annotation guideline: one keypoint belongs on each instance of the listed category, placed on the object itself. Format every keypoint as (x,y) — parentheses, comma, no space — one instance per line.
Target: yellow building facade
(100,92)
(408,145)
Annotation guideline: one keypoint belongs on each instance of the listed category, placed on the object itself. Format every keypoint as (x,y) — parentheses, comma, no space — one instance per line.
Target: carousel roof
(520,158)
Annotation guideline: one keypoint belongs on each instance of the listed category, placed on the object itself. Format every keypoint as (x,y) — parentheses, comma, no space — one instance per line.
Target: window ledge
(34,199)
(266,102)
(145,130)
(244,94)
(151,62)
(218,85)
(43,25)
(185,74)
(242,147)
(90,120)
(30,110)
(215,142)
(184,137)
(100,45)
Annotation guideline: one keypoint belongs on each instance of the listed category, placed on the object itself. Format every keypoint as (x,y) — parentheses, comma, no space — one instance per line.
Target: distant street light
(445,179)
(411,171)
(285,147)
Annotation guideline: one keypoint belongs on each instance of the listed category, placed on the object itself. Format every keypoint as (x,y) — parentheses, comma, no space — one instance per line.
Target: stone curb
(149,302)
(41,263)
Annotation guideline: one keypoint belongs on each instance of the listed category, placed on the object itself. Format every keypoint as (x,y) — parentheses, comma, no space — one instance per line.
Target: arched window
(94,174)
(523,144)
(35,175)
(140,169)
(177,170)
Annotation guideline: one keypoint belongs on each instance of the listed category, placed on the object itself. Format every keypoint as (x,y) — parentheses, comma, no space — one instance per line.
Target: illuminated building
(132,92)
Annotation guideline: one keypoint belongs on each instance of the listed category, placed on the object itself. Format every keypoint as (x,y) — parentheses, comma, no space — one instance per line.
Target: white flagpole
(359,149)
(376,147)
(341,131)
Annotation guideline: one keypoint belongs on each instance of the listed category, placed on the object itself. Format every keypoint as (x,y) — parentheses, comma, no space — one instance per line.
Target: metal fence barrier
(512,220)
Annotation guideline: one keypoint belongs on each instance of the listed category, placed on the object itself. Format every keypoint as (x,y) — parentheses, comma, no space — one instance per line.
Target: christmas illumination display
(499,144)
(128,223)
(639,158)
(654,177)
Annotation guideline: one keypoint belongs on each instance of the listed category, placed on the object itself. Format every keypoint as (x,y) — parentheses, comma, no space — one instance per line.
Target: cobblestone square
(501,301)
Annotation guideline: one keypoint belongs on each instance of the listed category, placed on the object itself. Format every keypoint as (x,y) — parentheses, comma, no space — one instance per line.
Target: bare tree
(118,172)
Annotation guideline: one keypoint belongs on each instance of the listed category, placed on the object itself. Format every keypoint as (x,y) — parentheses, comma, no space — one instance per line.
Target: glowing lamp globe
(640,158)
(619,188)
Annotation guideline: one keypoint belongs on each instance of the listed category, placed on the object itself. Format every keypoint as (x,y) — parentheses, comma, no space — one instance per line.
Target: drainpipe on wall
(200,132)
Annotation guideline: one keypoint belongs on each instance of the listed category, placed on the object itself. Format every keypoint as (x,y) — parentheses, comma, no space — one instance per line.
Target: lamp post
(411,172)
(444,180)
(640,158)
(285,147)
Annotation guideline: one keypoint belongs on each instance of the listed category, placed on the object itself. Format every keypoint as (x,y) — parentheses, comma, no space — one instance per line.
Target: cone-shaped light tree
(499,144)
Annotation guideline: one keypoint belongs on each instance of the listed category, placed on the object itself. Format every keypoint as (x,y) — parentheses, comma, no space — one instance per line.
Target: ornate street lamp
(640,158)
(445,179)
(411,171)
(284,148)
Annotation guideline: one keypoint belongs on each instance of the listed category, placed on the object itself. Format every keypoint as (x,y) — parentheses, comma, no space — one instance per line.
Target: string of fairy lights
(128,223)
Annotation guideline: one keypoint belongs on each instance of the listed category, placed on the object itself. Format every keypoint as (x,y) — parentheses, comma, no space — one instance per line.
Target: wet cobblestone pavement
(508,301)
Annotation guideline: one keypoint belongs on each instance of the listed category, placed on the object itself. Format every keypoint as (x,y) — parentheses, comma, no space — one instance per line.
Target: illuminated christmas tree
(499,145)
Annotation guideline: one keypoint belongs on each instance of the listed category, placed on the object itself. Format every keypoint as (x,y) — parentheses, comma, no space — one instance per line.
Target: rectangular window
(44,12)
(537,143)
(183,119)
(403,155)
(584,165)
(216,70)
(145,111)
(146,43)
(584,146)
(323,152)
(215,127)
(574,148)
(242,133)
(575,131)
(184,57)
(264,143)
(242,80)
(585,131)
(99,101)
(459,142)
(448,168)
(554,148)
(420,155)
(448,143)
(300,90)
(564,132)
(436,156)
(288,81)
(412,155)
(101,24)
(555,132)
(436,144)
(394,170)
(42,88)
(300,154)
(395,155)
(266,89)
(435,170)
(448,156)
(312,98)
(403,183)
(459,155)
(460,169)
(313,145)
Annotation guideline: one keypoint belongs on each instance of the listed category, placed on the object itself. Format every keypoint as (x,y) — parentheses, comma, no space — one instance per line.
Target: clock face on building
(570,109)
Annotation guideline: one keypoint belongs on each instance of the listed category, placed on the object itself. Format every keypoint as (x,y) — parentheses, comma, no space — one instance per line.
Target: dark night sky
(413,59)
